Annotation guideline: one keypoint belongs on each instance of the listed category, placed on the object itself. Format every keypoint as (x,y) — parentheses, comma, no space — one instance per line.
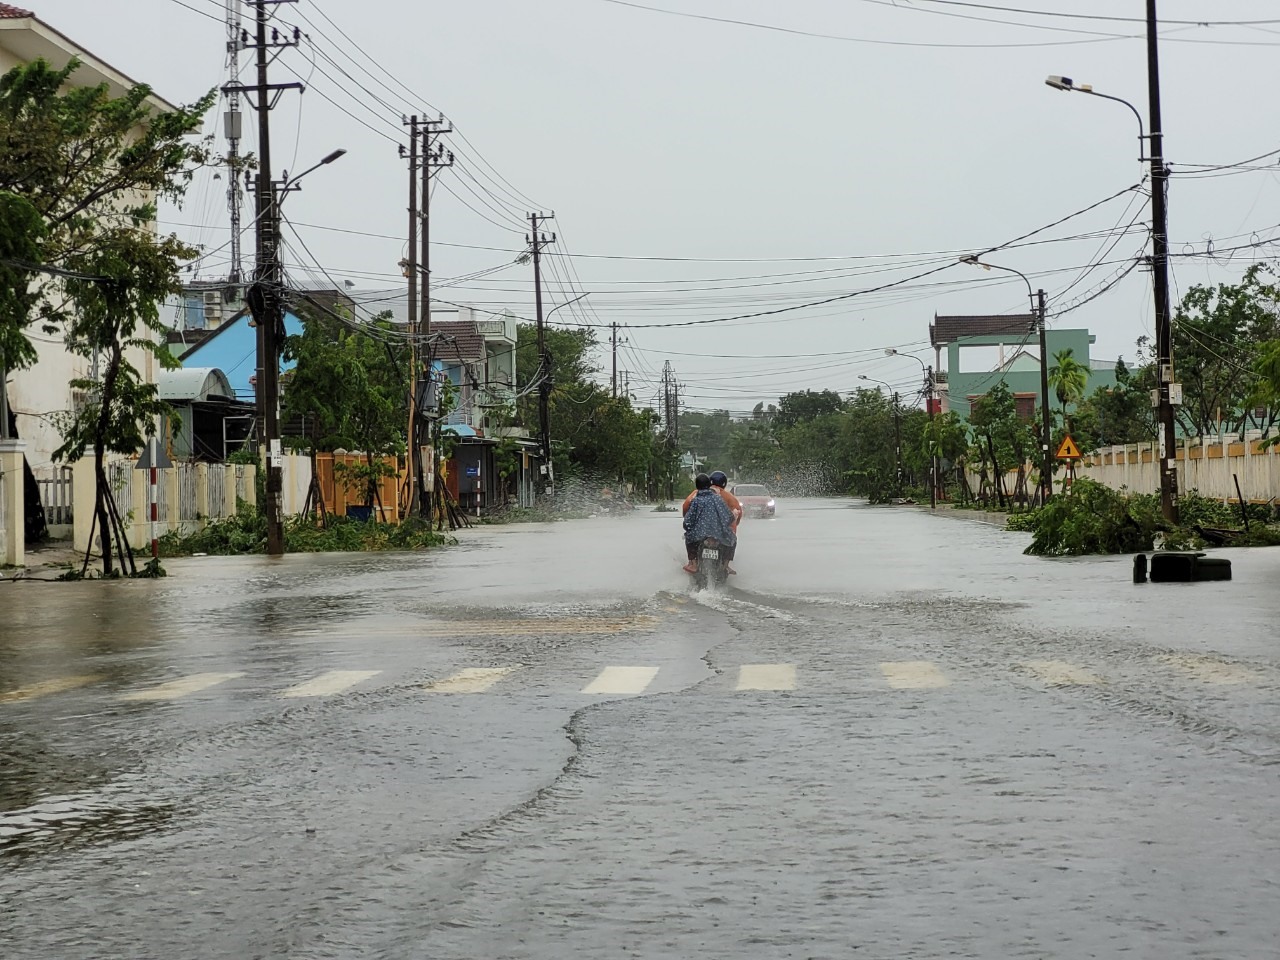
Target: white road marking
(471,680)
(622,680)
(913,675)
(1058,673)
(766,676)
(335,681)
(183,686)
(46,687)
(1211,670)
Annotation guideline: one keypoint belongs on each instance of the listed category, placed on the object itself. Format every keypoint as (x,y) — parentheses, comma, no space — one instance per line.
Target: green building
(982,351)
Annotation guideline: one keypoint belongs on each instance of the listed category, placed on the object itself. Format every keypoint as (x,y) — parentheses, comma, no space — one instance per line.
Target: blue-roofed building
(233,349)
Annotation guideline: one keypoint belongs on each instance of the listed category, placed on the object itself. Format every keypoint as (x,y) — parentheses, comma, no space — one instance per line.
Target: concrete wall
(1205,464)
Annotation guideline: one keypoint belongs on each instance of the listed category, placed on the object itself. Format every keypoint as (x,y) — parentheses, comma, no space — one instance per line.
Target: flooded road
(893,736)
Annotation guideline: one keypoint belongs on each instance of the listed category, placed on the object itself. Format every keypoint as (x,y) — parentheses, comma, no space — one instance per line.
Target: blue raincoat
(709,516)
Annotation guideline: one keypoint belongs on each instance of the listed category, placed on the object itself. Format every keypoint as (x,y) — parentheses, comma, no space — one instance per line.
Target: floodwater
(893,731)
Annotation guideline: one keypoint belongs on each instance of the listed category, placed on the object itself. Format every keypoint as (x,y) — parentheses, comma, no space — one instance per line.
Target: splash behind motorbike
(712,565)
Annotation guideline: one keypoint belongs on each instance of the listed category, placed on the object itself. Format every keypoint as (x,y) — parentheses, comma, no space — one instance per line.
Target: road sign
(1068,450)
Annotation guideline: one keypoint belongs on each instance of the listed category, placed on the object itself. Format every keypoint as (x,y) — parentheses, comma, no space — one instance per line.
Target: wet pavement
(893,737)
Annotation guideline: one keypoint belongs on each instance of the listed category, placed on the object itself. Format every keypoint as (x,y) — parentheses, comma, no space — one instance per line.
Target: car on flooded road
(756,499)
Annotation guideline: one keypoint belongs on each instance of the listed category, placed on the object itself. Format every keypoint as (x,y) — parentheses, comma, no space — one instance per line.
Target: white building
(38,394)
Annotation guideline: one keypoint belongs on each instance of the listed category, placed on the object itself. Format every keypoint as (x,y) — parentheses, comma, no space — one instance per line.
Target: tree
(351,381)
(1219,335)
(1117,414)
(798,407)
(1069,379)
(80,172)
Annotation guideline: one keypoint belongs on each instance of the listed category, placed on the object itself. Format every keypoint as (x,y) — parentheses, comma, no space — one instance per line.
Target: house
(211,423)
(982,351)
(38,395)
(232,348)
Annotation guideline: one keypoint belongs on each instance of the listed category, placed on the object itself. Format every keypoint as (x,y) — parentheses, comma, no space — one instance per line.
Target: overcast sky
(700,170)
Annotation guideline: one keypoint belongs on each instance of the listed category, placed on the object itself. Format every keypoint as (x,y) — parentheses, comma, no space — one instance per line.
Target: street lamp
(265,304)
(933,442)
(1159,257)
(1037,310)
(897,426)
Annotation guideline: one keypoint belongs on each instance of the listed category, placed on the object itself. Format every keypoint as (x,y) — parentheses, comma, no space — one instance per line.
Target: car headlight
(770,504)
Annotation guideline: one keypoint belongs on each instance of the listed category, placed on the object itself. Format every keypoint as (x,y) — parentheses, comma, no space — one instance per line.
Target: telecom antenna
(231,125)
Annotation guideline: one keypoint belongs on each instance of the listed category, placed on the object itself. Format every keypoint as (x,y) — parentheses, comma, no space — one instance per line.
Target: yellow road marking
(1210,669)
(46,687)
(471,680)
(1058,673)
(913,675)
(622,680)
(766,676)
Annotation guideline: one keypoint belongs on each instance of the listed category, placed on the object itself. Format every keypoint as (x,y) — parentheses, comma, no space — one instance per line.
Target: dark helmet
(702,482)
(718,479)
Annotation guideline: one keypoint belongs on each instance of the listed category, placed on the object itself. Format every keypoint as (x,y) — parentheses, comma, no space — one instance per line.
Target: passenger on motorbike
(719,483)
(707,515)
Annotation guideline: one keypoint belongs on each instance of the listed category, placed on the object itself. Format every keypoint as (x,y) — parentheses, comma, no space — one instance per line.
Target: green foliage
(246,532)
(1069,379)
(1117,414)
(805,406)
(1092,519)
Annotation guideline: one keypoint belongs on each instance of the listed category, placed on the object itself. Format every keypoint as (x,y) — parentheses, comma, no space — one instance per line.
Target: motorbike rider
(719,483)
(707,515)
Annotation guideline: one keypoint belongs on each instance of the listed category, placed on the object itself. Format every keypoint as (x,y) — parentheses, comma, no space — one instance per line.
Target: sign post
(1068,451)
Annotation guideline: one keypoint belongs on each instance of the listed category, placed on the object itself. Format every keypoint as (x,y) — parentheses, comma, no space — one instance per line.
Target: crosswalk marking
(913,675)
(471,680)
(335,681)
(46,687)
(766,676)
(622,680)
(182,686)
(1210,669)
(1058,673)
(535,627)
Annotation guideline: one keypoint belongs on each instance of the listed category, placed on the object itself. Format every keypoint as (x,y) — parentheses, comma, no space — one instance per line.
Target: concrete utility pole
(933,442)
(264,296)
(233,130)
(1046,429)
(538,240)
(411,273)
(1160,278)
(614,328)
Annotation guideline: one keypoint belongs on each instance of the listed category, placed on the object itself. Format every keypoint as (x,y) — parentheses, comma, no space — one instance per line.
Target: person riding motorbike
(719,483)
(707,515)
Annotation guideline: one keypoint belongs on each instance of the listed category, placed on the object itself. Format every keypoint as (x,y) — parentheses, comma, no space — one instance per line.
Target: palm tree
(1069,378)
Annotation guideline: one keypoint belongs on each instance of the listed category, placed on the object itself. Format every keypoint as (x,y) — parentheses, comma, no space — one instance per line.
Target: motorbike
(712,565)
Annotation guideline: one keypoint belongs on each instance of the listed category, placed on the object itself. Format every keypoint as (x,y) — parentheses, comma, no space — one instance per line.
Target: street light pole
(933,442)
(897,428)
(1046,428)
(1159,259)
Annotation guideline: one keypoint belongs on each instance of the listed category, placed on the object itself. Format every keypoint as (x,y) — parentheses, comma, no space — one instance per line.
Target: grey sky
(653,135)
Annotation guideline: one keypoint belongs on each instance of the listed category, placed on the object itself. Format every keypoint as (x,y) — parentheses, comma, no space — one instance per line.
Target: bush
(246,532)
(1093,519)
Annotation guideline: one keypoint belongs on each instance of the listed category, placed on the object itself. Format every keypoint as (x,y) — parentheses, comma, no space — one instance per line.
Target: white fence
(189,495)
(56,497)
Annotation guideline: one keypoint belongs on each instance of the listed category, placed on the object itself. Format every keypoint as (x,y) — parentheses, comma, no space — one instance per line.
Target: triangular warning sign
(1068,450)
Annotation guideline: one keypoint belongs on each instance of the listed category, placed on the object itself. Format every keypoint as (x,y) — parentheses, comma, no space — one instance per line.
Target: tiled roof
(457,340)
(945,330)
(9,12)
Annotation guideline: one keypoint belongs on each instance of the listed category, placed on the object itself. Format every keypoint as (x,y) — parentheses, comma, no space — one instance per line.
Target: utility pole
(434,158)
(264,297)
(614,327)
(1160,279)
(933,440)
(538,240)
(897,438)
(1046,429)
(411,273)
